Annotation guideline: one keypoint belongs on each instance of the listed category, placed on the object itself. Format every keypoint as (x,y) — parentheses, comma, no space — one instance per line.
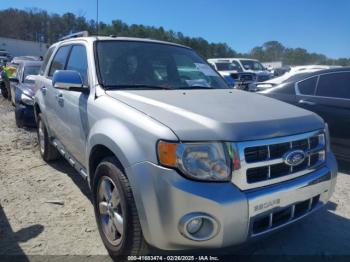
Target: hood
(221,114)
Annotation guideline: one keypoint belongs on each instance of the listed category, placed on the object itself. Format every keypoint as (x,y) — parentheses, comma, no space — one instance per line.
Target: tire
(8,89)
(131,240)
(47,151)
(12,101)
(19,123)
(4,91)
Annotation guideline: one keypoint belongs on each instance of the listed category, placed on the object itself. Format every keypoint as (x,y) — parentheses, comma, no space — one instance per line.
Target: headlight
(27,100)
(200,161)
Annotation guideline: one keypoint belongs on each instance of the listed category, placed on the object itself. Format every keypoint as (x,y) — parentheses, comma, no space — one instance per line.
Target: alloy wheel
(41,132)
(110,211)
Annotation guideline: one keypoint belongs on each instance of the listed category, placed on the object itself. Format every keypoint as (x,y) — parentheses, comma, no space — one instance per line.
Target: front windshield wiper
(136,86)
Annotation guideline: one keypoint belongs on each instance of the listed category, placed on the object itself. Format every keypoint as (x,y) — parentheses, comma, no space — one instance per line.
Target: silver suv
(174,158)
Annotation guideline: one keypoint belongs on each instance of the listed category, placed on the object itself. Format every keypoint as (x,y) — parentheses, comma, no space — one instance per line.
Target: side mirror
(68,80)
(14,80)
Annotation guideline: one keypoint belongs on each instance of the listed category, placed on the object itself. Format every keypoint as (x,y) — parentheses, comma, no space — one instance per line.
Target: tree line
(39,25)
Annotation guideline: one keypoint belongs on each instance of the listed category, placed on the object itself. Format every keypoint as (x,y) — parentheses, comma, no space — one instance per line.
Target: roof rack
(74,35)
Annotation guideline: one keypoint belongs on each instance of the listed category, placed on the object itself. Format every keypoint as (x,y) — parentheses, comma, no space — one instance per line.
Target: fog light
(198,226)
(194,225)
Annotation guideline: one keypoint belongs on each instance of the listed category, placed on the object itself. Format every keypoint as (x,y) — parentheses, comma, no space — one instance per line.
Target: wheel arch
(37,111)
(97,153)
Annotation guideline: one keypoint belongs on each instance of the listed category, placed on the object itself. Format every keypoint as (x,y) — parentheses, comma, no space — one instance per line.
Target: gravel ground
(46,209)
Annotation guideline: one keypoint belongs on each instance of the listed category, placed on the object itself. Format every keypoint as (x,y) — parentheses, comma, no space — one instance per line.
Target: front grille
(242,77)
(282,216)
(246,77)
(313,146)
(263,161)
(234,76)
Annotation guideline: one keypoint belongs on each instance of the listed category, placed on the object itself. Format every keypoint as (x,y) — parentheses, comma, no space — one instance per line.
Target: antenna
(97,25)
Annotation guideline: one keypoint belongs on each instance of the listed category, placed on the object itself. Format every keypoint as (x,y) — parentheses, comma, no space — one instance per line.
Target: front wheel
(19,122)
(4,90)
(47,151)
(115,211)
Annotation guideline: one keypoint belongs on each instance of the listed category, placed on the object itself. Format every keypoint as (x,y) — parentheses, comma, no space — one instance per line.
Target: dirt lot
(46,209)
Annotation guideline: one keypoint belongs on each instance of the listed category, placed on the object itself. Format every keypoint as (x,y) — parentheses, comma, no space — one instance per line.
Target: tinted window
(307,87)
(78,62)
(334,85)
(59,60)
(46,60)
(252,65)
(224,66)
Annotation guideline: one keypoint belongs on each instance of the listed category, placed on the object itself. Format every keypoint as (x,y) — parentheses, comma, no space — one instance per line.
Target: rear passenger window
(307,87)
(78,62)
(59,60)
(334,85)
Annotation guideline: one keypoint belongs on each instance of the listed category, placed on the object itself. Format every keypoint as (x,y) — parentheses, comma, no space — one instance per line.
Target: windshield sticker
(206,69)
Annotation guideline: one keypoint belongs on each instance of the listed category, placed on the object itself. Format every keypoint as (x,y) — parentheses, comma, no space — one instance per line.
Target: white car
(294,71)
(232,69)
(253,66)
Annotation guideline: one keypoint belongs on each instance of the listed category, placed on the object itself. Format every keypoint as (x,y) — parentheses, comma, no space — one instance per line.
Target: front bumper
(163,198)
(25,115)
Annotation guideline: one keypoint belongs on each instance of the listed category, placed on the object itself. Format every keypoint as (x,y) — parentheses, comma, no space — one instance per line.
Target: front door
(72,107)
(50,94)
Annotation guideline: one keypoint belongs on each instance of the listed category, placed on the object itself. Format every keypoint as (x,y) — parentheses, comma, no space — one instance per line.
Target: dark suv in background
(326,93)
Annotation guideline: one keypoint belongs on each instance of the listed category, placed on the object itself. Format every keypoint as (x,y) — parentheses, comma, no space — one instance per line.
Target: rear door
(333,104)
(305,93)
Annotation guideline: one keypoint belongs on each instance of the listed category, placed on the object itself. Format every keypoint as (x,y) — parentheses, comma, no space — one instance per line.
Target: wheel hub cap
(110,211)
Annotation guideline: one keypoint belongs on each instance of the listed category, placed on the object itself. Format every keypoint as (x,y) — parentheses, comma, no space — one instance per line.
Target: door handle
(306,102)
(59,97)
(43,90)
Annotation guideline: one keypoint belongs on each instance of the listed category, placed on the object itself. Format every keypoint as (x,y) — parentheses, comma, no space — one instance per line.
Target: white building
(18,47)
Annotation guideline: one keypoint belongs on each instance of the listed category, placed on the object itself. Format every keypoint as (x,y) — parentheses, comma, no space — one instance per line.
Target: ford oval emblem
(294,158)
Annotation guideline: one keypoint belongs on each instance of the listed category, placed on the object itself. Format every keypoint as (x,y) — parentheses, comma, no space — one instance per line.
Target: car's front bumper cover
(163,197)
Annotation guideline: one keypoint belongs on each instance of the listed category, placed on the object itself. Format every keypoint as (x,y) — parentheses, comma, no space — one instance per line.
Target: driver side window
(78,62)
(59,61)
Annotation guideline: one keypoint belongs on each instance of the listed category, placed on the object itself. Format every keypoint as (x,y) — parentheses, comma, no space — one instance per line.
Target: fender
(114,135)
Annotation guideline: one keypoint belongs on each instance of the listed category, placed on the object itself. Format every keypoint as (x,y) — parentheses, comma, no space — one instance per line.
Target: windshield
(30,70)
(252,65)
(140,65)
(227,66)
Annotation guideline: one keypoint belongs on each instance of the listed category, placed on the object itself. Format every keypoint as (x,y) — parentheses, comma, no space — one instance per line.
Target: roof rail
(74,35)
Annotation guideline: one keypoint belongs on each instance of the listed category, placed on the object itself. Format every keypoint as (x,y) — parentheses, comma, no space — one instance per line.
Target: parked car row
(169,150)
(296,71)
(20,89)
(327,93)
(244,72)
